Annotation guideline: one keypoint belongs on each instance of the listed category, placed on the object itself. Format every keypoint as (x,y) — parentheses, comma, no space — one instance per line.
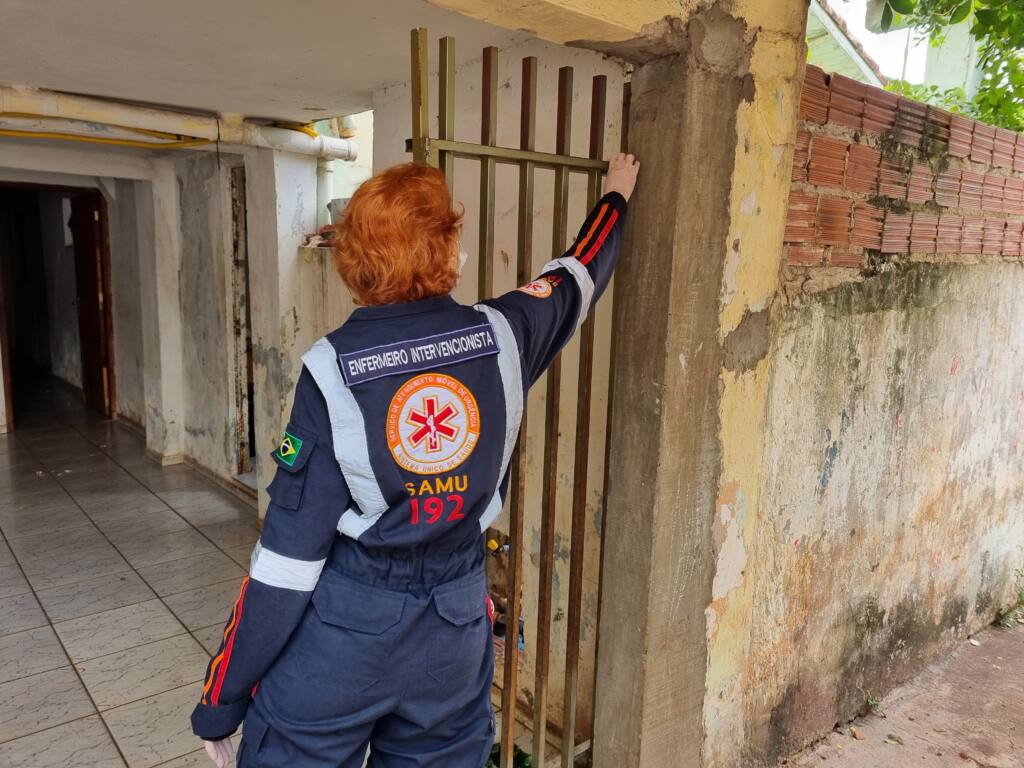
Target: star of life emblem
(433,424)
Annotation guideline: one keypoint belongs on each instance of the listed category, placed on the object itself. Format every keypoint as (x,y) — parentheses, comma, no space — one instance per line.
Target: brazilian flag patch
(289,449)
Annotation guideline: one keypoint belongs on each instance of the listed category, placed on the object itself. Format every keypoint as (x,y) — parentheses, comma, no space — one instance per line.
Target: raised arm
(547,311)
(307,496)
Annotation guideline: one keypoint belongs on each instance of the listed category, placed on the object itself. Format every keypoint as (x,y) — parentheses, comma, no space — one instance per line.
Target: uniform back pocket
(460,634)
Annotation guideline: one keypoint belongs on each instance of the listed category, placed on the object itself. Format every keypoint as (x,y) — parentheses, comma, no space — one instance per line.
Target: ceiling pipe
(228,129)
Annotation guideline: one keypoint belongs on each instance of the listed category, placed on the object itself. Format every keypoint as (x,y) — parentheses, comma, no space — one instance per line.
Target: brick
(947,188)
(862,167)
(892,180)
(1018,153)
(800,217)
(841,257)
(924,231)
(802,255)
(1013,196)
(910,122)
(828,161)
(960,131)
(896,233)
(950,234)
(1012,238)
(972,187)
(973,233)
(801,155)
(992,237)
(835,217)
(992,192)
(982,143)
(919,188)
(937,125)
(814,96)
(867,226)
(845,110)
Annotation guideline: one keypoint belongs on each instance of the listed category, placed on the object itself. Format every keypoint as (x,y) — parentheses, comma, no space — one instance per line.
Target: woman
(365,618)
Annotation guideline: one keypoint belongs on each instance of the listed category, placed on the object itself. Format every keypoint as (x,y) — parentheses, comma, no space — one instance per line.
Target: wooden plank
(580,461)
(550,480)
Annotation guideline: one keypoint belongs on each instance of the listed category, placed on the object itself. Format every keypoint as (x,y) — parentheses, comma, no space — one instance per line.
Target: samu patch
(289,449)
(542,287)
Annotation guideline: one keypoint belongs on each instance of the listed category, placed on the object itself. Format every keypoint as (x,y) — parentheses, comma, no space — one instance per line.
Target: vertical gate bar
(488,166)
(524,269)
(550,480)
(420,96)
(623,147)
(446,105)
(581,459)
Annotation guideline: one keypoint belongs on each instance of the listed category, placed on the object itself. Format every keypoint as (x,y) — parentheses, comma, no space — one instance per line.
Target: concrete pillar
(712,118)
(158,221)
(280,190)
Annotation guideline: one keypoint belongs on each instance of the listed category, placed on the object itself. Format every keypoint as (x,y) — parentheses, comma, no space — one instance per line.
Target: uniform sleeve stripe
(220,660)
(272,569)
(600,239)
(590,233)
(229,647)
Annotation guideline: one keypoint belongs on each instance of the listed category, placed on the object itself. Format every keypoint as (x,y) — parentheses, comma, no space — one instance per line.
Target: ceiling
(299,61)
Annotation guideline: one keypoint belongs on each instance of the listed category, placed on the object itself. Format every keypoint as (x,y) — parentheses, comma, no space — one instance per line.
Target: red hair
(399,238)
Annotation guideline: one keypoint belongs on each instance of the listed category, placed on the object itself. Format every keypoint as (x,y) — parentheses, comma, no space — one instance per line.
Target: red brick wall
(877,174)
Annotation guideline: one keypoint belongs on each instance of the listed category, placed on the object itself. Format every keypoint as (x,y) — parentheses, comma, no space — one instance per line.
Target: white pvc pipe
(31,101)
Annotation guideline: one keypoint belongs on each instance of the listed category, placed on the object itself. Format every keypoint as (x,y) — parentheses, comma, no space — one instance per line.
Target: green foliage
(520,759)
(998,26)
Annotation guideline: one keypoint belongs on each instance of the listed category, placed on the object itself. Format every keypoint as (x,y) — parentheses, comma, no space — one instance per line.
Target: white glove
(220,752)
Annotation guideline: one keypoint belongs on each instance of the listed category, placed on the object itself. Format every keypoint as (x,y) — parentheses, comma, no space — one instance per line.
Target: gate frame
(441,152)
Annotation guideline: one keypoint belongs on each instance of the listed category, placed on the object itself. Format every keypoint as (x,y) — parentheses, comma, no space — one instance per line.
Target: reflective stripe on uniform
(354,524)
(583,280)
(349,430)
(268,567)
(512,385)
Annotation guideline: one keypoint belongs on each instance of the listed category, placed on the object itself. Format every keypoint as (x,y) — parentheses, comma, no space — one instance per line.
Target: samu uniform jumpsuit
(380,637)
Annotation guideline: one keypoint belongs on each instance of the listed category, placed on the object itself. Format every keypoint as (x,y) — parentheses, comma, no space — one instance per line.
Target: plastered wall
(870,508)
(125,302)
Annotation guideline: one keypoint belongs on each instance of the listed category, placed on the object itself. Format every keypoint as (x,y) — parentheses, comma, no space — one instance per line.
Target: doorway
(55,295)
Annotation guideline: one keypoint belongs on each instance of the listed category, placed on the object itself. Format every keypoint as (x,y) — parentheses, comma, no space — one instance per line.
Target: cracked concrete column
(712,118)
(281,208)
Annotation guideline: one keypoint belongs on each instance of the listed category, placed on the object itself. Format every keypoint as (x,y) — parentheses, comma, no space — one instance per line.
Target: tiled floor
(116,577)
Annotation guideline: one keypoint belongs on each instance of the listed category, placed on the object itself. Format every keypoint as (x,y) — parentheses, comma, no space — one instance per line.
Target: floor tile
(191,573)
(20,612)
(199,758)
(30,652)
(208,507)
(241,555)
(41,701)
(156,729)
(235,533)
(140,524)
(145,670)
(81,743)
(206,605)
(91,563)
(94,596)
(210,637)
(165,547)
(111,631)
(12,582)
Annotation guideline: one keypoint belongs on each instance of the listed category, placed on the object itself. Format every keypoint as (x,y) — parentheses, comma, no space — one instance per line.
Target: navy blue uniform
(365,617)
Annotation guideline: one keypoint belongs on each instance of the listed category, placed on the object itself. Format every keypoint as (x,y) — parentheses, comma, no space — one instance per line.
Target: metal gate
(441,151)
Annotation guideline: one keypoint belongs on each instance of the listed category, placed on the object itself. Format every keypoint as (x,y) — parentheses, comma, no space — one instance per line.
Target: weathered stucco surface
(126,302)
(891,517)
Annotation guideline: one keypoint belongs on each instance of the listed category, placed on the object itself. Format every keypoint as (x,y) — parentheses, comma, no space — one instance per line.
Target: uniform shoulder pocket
(291,457)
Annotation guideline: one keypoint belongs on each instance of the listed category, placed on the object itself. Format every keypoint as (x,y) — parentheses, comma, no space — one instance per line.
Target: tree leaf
(902,6)
(962,12)
(987,17)
(886,22)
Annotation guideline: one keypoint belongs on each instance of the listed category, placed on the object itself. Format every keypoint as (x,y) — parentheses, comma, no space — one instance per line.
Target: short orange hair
(399,238)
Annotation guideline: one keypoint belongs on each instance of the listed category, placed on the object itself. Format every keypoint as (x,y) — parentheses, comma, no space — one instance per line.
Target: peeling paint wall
(205,312)
(125,304)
